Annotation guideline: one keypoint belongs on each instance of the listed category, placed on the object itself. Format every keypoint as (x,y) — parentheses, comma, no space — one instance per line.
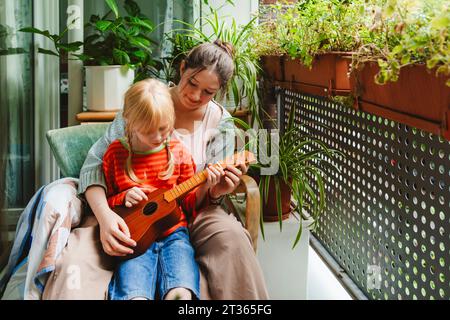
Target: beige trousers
(228,265)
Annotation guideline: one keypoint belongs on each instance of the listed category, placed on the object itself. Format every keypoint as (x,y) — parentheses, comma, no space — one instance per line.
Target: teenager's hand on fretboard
(229,182)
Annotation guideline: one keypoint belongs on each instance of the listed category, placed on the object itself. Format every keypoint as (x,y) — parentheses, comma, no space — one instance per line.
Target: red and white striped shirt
(147,166)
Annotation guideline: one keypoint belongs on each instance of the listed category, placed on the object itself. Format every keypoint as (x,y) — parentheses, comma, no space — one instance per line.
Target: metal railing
(387,220)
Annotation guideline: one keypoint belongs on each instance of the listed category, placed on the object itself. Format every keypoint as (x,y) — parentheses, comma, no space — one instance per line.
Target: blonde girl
(146,159)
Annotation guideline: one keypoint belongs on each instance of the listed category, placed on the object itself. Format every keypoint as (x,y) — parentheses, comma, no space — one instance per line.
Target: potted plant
(266,47)
(389,76)
(114,48)
(392,51)
(316,40)
(297,184)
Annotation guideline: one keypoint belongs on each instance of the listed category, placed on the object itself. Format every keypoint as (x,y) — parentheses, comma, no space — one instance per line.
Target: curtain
(16,102)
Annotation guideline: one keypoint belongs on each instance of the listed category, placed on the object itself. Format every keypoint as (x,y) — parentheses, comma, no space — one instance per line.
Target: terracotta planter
(272,67)
(328,76)
(270,212)
(418,98)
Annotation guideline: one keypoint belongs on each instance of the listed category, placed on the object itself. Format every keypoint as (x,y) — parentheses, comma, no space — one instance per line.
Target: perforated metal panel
(387,221)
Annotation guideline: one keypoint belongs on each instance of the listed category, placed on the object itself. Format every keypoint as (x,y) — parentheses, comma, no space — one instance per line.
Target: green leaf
(313,197)
(321,185)
(236,96)
(146,24)
(291,117)
(113,6)
(70,47)
(133,31)
(140,42)
(431,63)
(440,22)
(38,31)
(121,57)
(443,69)
(242,124)
(49,52)
(389,10)
(406,58)
(83,57)
(284,170)
(382,63)
(397,49)
(103,25)
(299,233)
(266,188)
(140,54)
(278,198)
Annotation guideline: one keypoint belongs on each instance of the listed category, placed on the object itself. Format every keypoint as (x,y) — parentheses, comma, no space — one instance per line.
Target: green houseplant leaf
(113,6)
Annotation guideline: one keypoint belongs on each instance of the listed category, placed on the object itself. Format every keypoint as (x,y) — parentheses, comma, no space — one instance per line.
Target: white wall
(242,11)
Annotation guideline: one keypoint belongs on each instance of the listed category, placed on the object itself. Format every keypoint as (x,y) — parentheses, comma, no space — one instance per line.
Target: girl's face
(151,140)
(197,89)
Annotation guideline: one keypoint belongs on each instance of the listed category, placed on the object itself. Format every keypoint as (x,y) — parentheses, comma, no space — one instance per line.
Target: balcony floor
(322,283)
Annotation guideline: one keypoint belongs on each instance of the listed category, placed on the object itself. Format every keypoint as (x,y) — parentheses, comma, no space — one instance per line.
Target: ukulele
(149,219)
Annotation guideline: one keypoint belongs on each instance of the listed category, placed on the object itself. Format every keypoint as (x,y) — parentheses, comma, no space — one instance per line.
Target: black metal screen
(387,221)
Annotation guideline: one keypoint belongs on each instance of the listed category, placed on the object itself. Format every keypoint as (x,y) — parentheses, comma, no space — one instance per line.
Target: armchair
(79,140)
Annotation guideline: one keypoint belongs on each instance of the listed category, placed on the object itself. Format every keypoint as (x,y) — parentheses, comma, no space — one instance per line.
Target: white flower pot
(106,87)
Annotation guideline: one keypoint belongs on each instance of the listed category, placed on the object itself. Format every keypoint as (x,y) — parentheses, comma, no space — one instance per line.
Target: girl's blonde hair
(146,104)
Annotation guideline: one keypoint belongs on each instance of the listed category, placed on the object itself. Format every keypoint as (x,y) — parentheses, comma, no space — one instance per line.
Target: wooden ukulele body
(149,219)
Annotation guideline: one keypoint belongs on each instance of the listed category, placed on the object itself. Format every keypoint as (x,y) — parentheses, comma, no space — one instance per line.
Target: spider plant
(301,163)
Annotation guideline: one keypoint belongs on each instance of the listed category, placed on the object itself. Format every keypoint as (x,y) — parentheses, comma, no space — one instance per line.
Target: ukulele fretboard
(201,177)
(186,186)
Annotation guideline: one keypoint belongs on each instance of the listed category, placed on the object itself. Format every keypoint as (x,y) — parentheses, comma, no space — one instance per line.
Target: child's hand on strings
(134,196)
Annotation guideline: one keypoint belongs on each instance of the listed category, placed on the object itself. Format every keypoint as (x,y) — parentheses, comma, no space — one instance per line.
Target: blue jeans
(169,263)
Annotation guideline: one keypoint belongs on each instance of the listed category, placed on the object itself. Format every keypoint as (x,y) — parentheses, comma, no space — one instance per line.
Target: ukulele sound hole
(150,208)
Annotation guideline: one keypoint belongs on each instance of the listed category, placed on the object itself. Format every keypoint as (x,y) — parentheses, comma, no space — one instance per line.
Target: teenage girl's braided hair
(146,103)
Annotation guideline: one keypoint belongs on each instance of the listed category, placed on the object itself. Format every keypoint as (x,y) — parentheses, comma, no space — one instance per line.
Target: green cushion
(70,145)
